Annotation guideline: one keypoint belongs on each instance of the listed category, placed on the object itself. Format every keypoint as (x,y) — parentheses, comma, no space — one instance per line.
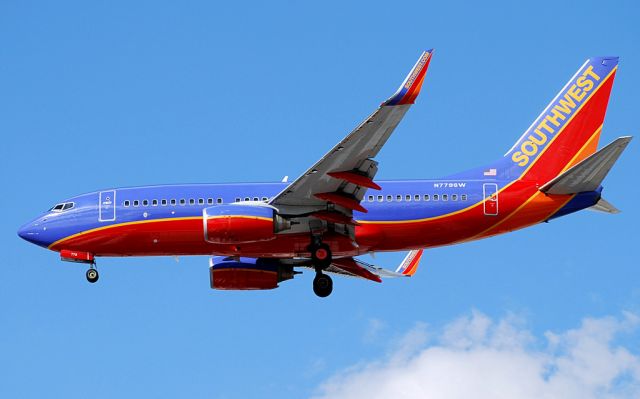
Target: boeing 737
(260,234)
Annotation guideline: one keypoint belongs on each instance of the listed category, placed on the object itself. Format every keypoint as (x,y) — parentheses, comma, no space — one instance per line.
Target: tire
(92,275)
(322,285)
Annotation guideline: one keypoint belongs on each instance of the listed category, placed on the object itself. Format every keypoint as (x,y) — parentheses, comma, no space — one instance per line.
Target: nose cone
(32,232)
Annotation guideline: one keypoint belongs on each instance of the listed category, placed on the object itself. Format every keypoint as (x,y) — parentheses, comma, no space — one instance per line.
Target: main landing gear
(321,258)
(322,285)
(92,274)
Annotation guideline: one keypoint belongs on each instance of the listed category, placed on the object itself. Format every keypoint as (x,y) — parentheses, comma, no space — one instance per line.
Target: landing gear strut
(322,285)
(92,274)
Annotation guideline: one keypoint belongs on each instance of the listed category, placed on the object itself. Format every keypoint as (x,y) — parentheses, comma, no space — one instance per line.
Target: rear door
(490,193)
(107,206)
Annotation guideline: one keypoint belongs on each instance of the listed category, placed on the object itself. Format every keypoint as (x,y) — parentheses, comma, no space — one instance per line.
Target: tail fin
(568,129)
(588,174)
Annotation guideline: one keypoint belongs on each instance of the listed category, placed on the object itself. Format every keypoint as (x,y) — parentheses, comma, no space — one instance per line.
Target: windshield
(65,206)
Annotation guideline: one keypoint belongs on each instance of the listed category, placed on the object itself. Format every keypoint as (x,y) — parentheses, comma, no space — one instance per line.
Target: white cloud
(477,357)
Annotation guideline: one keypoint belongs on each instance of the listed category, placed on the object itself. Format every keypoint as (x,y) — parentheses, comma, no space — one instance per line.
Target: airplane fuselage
(403,215)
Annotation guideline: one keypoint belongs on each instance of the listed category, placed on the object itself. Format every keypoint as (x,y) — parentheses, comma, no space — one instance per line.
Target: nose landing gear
(92,274)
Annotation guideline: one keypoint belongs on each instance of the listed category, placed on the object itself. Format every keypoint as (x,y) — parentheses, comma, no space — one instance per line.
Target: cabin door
(107,206)
(490,194)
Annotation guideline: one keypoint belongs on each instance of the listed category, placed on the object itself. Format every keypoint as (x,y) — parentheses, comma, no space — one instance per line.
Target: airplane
(260,234)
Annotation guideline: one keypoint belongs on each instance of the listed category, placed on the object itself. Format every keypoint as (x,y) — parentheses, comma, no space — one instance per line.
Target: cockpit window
(65,206)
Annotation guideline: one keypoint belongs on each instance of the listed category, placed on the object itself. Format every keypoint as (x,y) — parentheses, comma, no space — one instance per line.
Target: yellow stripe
(594,135)
(512,182)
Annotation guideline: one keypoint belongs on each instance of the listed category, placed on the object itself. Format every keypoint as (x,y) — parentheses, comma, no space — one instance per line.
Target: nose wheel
(322,285)
(92,275)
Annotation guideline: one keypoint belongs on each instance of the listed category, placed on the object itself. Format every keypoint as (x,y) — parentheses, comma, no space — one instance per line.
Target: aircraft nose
(31,232)
(26,231)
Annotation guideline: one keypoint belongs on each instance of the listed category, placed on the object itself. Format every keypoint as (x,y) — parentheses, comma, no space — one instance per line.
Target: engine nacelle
(247,273)
(237,224)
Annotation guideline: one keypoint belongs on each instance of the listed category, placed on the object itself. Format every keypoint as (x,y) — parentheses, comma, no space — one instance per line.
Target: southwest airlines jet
(258,235)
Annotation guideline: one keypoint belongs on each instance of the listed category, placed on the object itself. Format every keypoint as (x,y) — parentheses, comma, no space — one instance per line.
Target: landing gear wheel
(92,275)
(321,255)
(322,285)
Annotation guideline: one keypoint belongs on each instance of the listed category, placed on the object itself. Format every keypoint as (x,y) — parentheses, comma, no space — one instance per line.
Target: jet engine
(237,224)
(228,273)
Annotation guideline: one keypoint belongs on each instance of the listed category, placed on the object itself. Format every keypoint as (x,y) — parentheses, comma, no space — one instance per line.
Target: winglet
(410,88)
(410,263)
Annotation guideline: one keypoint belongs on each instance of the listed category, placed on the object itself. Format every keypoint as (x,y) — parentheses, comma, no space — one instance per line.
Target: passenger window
(380,198)
(370,198)
(183,201)
(247,199)
(136,202)
(238,199)
(416,197)
(200,201)
(445,197)
(219,200)
(163,202)
(454,197)
(192,201)
(426,197)
(389,198)
(463,197)
(407,197)
(173,201)
(265,199)
(209,201)
(154,202)
(127,203)
(398,197)
(436,197)
(145,202)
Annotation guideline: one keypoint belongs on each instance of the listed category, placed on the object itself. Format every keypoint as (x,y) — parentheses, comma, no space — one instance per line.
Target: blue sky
(115,94)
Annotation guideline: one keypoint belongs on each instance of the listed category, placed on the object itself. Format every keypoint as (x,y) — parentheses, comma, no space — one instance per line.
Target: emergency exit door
(490,193)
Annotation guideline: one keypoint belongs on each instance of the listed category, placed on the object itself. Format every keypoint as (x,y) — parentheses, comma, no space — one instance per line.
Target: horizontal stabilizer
(588,174)
(604,206)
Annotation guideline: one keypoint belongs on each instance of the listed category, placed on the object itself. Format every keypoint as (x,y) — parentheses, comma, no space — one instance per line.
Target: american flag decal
(490,172)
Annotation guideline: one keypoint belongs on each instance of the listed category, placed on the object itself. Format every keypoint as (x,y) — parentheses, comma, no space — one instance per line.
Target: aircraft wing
(334,186)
